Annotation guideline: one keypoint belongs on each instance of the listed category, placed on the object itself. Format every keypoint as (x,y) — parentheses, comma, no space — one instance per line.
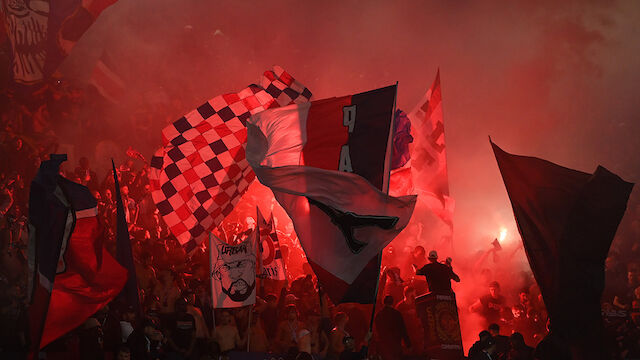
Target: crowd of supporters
(292,318)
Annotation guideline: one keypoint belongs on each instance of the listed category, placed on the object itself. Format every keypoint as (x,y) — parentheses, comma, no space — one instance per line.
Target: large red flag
(428,154)
(73,275)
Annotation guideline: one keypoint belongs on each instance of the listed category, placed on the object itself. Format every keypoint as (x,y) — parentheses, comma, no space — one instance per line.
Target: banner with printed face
(233,273)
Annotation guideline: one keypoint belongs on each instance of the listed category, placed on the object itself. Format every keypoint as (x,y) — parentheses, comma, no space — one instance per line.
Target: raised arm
(476,306)
(455,276)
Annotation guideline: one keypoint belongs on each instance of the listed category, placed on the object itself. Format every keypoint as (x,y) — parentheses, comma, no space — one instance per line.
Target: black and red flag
(327,163)
(72,275)
(567,220)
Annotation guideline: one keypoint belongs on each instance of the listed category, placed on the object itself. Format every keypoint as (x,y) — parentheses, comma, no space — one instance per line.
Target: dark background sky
(553,79)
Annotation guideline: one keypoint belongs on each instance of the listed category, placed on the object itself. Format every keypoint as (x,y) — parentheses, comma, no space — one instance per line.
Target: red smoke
(552,79)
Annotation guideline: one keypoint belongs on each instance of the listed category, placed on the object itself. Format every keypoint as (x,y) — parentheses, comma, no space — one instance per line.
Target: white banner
(233,273)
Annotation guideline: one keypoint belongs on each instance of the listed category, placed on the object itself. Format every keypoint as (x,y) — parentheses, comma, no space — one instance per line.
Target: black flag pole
(124,254)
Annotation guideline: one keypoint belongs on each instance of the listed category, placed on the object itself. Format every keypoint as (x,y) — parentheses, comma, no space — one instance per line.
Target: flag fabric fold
(201,172)
(271,263)
(325,164)
(73,275)
(400,182)
(42,33)
(567,220)
(351,199)
(106,81)
(428,154)
(401,140)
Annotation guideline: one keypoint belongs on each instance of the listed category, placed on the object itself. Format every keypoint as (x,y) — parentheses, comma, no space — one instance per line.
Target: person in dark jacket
(551,347)
(438,275)
(391,331)
(145,342)
(484,348)
(350,352)
(182,333)
(518,349)
(501,341)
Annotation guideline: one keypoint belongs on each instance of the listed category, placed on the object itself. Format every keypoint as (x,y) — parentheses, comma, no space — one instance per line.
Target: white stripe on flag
(86,213)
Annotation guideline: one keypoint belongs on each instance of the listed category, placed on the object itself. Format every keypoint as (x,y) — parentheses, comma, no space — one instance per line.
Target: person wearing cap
(438,275)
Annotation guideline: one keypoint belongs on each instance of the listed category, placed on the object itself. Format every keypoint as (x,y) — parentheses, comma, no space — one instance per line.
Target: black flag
(567,220)
(124,255)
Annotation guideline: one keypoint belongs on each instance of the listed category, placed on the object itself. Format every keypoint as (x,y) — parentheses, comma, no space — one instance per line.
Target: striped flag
(201,172)
(270,258)
(72,275)
(106,81)
(326,162)
(428,156)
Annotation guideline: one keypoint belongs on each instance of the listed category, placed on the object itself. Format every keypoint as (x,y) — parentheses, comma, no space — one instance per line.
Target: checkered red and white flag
(201,171)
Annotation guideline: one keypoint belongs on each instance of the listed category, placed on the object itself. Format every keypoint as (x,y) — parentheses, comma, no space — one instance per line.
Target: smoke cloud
(553,79)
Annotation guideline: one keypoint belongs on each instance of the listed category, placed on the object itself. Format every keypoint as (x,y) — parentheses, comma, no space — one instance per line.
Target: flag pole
(213,309)
(124,254)
(451,247)
(385,185)
(249,327)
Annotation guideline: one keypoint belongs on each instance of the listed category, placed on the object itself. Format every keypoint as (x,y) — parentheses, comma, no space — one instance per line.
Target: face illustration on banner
(235,270)
(26,22)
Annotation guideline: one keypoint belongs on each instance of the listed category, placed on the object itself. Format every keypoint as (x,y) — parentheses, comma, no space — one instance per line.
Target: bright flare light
(503,234)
